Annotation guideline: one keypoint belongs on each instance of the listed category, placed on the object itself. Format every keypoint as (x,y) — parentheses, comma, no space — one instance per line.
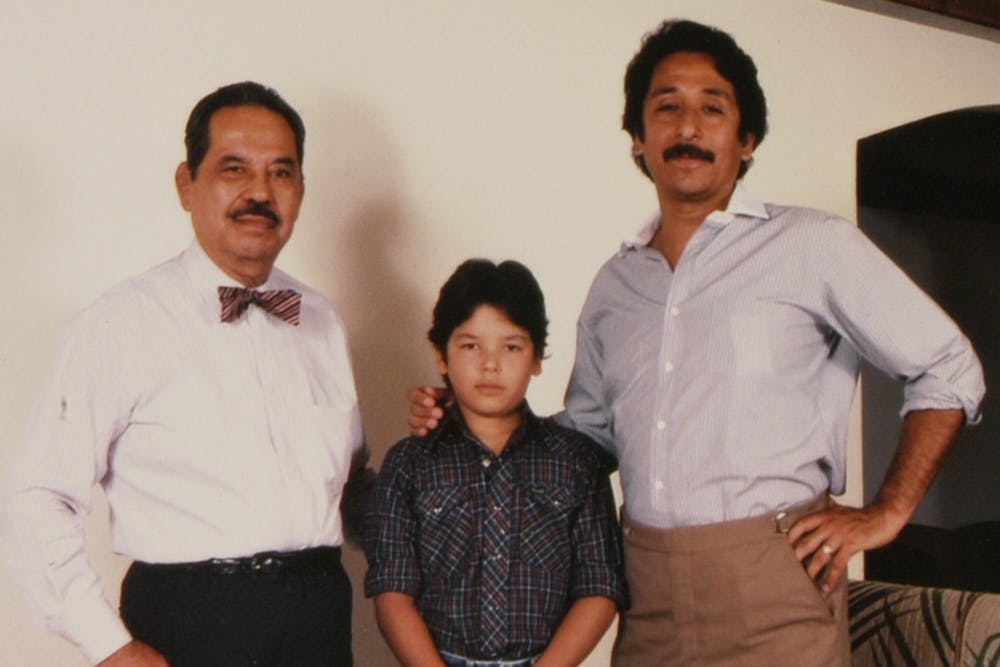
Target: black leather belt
(306,561)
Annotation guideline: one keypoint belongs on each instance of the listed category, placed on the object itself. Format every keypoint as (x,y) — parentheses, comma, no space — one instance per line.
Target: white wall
(436,131)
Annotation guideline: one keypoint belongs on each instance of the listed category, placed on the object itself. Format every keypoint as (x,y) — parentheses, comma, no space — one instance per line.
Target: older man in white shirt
(213,399)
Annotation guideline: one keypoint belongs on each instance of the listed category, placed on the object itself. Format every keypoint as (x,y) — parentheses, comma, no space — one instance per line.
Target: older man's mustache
(689,151)
(258,209)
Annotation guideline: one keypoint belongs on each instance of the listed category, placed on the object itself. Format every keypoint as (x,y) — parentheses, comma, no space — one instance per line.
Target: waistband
(452,660)
(719,535)
(306,561)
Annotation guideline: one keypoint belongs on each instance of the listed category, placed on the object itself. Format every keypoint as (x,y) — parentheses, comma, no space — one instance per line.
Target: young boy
(493,540)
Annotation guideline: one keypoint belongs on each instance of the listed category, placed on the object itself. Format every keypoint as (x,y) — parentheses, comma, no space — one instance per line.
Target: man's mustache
(258,209)
(688,150)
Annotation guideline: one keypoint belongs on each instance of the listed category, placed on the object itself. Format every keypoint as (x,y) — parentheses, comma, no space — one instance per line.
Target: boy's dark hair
(732,63)
(508,286)
(247,93)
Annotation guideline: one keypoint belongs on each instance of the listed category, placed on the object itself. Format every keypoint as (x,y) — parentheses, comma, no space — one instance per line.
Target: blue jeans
(458,661)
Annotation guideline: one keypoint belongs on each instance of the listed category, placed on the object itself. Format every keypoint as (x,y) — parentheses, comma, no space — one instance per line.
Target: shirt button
(668,367)
(660,425)
(658,485)
(486,463)
(675,311)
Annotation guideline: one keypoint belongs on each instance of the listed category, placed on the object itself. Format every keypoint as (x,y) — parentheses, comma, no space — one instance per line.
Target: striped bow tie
(283,303)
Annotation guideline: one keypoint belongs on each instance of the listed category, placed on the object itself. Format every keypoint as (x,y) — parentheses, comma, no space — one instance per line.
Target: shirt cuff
(376,584)
(598,582)
(97,630)
(971,407)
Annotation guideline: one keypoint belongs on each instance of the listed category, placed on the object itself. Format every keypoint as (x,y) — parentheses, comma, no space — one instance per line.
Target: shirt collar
(206,274)
(206,277)
(741,202)
(454,422)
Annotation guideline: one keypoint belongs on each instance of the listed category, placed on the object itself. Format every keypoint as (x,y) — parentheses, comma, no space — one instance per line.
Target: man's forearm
(925,441)
(826,540)
(41,541)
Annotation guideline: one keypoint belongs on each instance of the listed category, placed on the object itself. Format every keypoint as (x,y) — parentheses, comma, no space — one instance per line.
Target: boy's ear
(442,364)
(536,368)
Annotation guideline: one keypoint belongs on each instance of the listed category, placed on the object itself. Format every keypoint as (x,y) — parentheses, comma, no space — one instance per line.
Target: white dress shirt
(210,439)
(724,385)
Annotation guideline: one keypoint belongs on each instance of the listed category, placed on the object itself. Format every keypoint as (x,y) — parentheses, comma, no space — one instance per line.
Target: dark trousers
(203,617)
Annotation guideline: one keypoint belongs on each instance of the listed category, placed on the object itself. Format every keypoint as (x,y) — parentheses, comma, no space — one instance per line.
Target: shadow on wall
(384,319)
(355,245)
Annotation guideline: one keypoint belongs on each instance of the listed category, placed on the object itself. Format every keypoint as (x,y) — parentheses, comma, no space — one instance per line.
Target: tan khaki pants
(730,593)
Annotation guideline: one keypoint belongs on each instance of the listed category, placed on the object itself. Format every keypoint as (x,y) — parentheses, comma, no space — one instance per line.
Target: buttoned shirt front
(210,439)
(446,510)
(724,385)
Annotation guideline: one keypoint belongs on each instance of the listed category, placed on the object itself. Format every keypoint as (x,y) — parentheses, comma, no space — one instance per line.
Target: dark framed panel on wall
(974,18)
(985,12)
(929,196)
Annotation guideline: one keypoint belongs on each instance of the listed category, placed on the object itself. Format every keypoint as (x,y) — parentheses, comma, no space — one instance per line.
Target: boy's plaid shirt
(433,506)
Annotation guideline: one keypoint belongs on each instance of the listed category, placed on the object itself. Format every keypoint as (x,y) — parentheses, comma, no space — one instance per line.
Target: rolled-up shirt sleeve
(598,568)
(390,533)
(898,328)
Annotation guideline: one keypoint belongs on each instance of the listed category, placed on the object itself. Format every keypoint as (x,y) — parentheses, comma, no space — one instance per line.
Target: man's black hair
(732,63)
(509,287)
(246,93)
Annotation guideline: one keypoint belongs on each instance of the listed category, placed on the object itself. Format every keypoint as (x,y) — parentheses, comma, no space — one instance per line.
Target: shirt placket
(276,413)
(668,492)
(496,555)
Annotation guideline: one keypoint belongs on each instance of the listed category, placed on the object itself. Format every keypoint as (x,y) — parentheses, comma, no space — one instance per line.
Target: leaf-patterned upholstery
(899,625)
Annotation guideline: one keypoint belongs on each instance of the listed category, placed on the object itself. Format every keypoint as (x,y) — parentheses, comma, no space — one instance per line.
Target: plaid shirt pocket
(447,530)
(547,527)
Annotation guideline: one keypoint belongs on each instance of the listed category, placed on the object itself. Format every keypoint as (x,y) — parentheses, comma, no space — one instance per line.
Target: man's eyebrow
(710,90)
(718,92)
(662,90)
(232,157)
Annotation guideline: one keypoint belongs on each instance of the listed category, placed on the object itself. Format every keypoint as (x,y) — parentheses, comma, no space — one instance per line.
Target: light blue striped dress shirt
(724,385)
